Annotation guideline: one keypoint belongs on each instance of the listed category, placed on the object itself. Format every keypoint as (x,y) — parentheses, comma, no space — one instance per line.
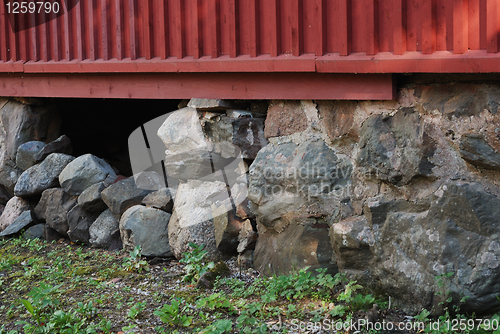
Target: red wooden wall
(351,36)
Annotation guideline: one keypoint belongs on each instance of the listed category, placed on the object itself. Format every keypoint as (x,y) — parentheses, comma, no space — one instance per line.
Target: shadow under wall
(102,126)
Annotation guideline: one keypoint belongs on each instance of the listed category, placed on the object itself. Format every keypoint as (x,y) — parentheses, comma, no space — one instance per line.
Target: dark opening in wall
(102,126)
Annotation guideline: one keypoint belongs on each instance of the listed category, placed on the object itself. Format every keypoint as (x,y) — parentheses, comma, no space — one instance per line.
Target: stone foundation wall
(394,193)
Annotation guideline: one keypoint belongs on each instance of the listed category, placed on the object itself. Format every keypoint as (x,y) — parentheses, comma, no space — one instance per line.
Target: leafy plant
(218,327)
(172,314)
(214,301)
(136,310)
(134,262)
(195,265)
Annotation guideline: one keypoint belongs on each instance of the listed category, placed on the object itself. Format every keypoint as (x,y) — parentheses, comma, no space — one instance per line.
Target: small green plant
(134,262)
(218,327)
(195,265)
(136,310)
(214,301)
(173,314)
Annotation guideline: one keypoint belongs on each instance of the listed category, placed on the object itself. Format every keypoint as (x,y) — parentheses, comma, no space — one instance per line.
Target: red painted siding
(337,36)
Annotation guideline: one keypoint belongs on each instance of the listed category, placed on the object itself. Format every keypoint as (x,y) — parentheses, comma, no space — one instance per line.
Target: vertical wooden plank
(89,31)
(176,28)
(3,34)
(194,23)
(98,24)
(491,26)
(275,22)
(42,37)
(412,25)
(104,30)
(214,18)
(460,38)
(159,49)
(143,26)
(12,49)
(67,33)
(441,6)
(77,27)
(232,14)
(32,40)
(54,38)
(131,24)
(291,34)
(21,36)
(399,34)
(371,28)
(113,51)
(251,17)
(428,27)
(473,25)
(482,25)
(319,14)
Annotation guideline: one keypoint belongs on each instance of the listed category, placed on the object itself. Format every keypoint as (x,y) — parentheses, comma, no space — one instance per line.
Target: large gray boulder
(192,218)
(79,221)
(296,192)
(122,195)
(53,207)
(102,229)
(396,148)
(405,248)
(25,157)
(15,206)
(43,176)
(83,172)
(147,228)
(21,123)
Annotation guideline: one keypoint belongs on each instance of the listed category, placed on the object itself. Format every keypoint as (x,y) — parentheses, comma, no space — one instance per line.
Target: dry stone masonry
(393,193)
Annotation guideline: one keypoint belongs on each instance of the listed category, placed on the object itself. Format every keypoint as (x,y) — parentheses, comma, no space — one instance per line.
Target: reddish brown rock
(337,117)
(285,118)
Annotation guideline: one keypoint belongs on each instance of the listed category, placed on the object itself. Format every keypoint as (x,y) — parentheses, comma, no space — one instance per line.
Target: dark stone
(54,206)
(79,221)
(303,243)
(396,148)
(25,157)
(207,280)
(103,228)
(459,99)
(49,234)
(115,241)
(90,199)
(122,195)
(60,145)
(248,135)
(34,232)
(227,228)
(477,151)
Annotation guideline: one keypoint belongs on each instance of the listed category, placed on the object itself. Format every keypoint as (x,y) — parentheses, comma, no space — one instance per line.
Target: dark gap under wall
(102,126)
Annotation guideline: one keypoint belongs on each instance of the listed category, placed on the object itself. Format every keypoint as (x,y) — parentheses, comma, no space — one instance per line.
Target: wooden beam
(315,86)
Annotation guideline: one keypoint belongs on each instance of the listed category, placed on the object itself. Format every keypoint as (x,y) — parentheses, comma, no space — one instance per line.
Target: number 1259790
(31,7)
